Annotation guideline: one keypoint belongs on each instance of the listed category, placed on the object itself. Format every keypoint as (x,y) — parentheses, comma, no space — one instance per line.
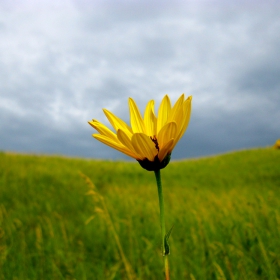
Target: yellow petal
(124,139)
(176,109)
(102,129)
(117,123)
(115,145)
(144,146)
(166,149)
(136,120)
(163,112)
(169,131)
(186,118)
(150,119)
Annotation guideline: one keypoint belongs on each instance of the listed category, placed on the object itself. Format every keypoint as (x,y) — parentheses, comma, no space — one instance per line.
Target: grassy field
(63,218)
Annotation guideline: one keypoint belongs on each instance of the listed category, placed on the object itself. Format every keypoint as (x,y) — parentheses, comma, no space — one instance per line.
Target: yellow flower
(150,139)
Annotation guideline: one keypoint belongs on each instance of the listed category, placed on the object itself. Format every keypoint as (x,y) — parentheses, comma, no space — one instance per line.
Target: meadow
(70,218)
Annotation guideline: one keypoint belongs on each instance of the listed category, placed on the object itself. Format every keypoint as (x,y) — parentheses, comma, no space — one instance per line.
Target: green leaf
(166,244)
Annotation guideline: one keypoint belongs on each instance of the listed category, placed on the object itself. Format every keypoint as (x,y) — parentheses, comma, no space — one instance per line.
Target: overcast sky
(61,62)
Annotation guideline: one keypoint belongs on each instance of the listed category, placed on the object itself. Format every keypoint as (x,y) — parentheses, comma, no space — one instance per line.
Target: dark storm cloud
(61,63)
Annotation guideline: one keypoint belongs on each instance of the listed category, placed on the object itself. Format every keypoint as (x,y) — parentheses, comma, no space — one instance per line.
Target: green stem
(162,224)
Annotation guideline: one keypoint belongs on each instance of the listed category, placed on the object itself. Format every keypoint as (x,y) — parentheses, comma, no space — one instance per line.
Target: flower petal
(169,131)
(144,146)
(102,129)
(186,118)
(124,139)
(163,112)
(166,149)
(115,145)
(136,120)
(176,111)
(117,123)
(150,120)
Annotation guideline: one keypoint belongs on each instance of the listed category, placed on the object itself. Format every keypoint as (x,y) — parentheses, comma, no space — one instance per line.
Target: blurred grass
(225,211)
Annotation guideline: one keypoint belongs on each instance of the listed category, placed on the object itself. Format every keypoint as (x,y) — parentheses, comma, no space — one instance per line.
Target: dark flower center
(156,164)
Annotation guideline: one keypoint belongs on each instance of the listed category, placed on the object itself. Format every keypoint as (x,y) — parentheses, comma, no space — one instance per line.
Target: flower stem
(165,249)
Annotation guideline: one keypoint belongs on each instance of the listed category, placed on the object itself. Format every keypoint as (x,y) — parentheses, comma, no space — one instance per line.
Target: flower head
(150,139)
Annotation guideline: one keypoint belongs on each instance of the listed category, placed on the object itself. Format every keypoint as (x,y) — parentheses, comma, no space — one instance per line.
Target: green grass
(225,211)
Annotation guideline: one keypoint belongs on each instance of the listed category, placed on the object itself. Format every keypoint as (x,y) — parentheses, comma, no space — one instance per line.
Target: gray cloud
(61,63)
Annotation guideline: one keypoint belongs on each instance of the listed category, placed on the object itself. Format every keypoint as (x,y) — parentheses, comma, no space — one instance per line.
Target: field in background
(54,224)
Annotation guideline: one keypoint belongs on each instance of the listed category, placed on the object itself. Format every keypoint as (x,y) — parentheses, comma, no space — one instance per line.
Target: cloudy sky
(61,62)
